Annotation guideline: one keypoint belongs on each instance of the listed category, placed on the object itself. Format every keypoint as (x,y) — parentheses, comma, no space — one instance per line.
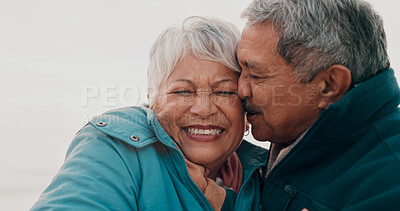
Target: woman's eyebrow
(183,80)
(224,81)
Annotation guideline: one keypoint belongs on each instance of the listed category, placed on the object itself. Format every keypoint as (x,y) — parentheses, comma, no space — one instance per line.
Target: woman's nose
(203,106)
(244,89)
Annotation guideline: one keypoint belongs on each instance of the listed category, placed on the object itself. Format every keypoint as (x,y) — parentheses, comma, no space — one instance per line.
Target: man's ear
(333,84)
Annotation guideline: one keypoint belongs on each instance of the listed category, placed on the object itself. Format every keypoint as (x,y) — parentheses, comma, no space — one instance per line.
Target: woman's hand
(214,193)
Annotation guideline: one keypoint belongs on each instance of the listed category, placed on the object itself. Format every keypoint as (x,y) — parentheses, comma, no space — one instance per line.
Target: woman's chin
(208,160)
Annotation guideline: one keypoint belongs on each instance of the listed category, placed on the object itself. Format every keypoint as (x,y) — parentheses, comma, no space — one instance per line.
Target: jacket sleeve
(94,176)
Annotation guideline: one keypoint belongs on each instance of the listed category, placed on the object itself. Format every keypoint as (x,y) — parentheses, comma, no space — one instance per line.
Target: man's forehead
(249,56)
(257,38)
(260,29)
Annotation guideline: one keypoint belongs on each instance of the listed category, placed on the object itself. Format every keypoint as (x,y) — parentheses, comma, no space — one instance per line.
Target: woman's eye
(226,93)
(183,92)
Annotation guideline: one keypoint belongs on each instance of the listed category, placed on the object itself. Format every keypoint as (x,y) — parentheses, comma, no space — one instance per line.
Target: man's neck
(279,151)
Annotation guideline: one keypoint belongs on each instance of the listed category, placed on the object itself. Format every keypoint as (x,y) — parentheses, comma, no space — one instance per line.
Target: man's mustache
(249,108)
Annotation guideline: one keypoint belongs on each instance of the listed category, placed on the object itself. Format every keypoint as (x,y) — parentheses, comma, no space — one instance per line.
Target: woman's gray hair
(316,34)
(206,38)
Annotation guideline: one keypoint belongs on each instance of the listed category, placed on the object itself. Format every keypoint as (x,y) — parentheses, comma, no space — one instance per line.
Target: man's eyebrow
(250,65)
(257,68)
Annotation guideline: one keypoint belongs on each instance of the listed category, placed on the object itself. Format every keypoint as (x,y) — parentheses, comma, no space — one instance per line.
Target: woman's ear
(333,85)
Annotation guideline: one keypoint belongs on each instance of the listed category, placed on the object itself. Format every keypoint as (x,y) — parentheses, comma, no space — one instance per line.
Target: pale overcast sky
(54,53)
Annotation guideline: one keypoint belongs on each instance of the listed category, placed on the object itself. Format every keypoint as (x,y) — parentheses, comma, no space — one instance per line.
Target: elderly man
(317,84)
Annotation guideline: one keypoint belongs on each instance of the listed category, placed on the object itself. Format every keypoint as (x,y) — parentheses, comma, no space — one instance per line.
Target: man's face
(279,108)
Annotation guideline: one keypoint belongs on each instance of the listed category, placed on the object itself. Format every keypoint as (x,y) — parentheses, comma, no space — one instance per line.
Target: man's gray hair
(316,34)
(206,38)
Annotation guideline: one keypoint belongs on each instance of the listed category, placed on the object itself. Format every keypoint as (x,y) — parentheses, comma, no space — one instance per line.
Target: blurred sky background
(64,61)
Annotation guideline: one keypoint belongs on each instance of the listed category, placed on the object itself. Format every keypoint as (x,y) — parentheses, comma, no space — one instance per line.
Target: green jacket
(124,160)
(350,157)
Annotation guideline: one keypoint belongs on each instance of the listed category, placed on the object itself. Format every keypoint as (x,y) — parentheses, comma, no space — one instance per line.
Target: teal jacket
(350,157)
(124,160)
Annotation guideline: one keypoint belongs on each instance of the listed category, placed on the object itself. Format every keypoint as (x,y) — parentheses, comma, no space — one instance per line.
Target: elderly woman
(179,152)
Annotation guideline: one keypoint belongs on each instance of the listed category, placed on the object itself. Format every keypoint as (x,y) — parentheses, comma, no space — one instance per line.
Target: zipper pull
(291,193)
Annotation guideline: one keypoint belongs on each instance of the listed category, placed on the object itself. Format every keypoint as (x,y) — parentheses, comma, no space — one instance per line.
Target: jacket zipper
(185,167)
(287,188)
(291,193)
(278,166)
(243,185)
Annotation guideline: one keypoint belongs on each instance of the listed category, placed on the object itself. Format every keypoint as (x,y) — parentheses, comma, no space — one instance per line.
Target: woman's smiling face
(199,108)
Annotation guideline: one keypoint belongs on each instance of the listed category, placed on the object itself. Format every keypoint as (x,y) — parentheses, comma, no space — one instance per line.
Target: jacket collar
(157,128)
(251,157)
(369,100)
(126,123)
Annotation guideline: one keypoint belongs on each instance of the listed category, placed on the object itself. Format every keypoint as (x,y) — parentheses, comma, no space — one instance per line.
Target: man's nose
(244,88)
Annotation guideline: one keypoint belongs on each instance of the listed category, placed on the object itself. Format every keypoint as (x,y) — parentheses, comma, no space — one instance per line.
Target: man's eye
(254,76)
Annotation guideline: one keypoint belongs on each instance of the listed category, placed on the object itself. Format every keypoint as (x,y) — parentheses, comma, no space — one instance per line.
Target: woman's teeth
(195,131)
